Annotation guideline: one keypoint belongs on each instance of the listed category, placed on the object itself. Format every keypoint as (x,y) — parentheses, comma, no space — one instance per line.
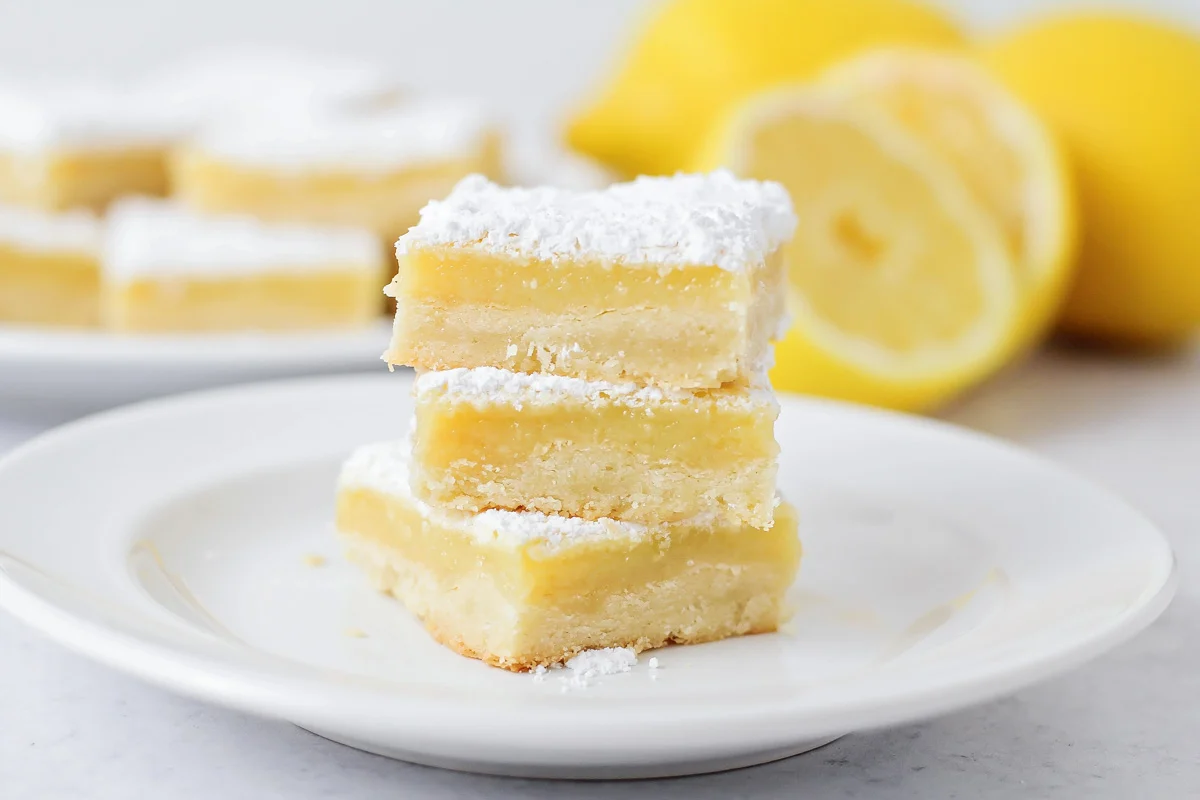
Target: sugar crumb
(356,633)
(314,560)
(589,665)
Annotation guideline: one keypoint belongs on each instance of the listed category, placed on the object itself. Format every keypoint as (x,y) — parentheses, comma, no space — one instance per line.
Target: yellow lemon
(1124,96)
(696,57)
(903,290)
(1007,156)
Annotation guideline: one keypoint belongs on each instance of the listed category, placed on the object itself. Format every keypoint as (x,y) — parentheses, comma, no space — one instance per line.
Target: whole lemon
(696,57)
(1124,96)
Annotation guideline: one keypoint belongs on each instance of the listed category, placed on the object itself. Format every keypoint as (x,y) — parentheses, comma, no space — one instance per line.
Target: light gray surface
(1124,726)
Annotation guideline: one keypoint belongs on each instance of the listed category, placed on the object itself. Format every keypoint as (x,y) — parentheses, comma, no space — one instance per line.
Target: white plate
(942,569)
(72,371)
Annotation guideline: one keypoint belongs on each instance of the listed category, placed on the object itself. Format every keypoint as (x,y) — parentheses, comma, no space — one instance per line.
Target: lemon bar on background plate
(49,267)
(550,280)
(63,146)
(168,269)
(372,171)
(489,438)
(522,589)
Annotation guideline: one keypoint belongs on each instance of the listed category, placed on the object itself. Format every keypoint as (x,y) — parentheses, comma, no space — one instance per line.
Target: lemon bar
(373,171)
(67,146)
(673,281)
(522,589)
(167,269)
(489,438)
(49,267)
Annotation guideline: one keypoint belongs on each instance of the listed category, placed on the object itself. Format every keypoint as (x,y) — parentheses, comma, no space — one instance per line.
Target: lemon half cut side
(1009,159)
(903,290)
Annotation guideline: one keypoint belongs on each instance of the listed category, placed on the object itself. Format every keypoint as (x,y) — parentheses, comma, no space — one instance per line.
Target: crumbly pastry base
(520,606)
(49,289)
(622,486)
(268,302)
(87,179)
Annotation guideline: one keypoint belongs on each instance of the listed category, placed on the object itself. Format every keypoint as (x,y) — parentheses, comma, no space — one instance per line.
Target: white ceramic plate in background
(942,569)
(72,371)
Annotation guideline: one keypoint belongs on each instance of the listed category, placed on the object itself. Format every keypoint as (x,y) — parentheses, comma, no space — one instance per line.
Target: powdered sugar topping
(483,386)
(39,117)
(589,665)
(148,237)
(42,231)
(665,222)
(415,133)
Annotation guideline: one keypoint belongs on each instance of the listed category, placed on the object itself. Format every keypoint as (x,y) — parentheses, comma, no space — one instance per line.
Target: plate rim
(304,697)
(53,348)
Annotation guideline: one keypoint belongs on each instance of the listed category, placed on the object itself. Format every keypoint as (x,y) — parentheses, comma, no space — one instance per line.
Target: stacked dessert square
(593,459)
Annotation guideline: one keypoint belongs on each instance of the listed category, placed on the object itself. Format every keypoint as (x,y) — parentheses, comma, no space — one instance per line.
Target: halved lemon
(902,287)
(692,59)
(1008,158)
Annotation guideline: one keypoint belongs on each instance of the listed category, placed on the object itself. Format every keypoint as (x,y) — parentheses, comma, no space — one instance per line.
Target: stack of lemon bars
(593,460)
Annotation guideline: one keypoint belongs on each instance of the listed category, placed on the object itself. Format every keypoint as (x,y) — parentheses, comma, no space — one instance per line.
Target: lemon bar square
(689,268)
(166,269)
(372,171)
(488,438)
(66,146)
(49,267)
(522,589)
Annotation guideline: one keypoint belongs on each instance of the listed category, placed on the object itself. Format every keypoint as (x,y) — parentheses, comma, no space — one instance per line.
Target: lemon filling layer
(59,180)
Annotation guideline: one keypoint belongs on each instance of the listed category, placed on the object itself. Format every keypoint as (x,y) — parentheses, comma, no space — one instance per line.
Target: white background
(1123,727)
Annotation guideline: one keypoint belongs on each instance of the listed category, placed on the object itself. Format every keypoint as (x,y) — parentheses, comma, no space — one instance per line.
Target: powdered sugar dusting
(42,231)
(489,385)
(383,467)
(64,116)
(592,664)
(147,237)
(679,221)
(413,134)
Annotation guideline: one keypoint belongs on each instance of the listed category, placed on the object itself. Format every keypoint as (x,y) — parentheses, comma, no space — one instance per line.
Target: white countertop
(1124,726)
